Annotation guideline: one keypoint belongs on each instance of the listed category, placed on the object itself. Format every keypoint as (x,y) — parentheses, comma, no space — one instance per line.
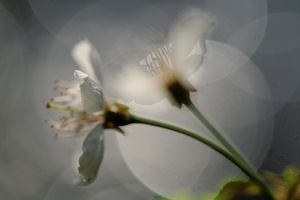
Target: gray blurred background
(249,84)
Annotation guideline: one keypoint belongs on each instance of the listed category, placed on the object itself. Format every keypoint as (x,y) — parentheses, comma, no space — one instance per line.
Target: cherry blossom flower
(165,70)
(86,113)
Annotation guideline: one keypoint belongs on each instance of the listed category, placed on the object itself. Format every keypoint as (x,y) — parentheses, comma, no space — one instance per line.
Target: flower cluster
(87,113)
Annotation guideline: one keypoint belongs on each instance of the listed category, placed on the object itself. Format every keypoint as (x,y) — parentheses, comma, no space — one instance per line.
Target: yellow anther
(58,107)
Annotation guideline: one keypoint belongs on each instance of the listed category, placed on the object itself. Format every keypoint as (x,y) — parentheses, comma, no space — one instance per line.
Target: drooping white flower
(171,63)
(87,114)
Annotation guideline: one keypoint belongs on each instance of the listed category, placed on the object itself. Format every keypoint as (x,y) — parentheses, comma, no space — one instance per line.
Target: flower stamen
(61,98)
(59,107)
(77,122)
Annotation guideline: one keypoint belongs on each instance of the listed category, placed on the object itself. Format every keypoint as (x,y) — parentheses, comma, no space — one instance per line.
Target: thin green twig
(240,165)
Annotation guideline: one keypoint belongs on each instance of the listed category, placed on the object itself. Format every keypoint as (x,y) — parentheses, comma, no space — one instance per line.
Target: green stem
(250,174)
(230,146)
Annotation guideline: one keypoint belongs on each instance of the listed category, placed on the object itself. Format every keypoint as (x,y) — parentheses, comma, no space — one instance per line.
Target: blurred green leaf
(290,175)
(237,189)
(158,197)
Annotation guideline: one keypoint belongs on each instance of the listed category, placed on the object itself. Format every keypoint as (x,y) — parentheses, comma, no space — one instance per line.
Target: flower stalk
(181,95)
(233,158)
(141,120)
(230,146)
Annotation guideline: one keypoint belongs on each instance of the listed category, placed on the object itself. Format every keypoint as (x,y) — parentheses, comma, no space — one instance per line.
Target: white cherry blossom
(85,111)
(149,81)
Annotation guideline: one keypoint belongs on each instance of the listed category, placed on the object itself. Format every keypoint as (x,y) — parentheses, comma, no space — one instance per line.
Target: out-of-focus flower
(86,114)
(164,72)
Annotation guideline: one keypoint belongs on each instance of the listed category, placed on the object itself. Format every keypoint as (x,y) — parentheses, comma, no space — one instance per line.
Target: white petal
(92,154)
(91,95)
(136,84)
(88,59)
(80,75)
(192,28)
